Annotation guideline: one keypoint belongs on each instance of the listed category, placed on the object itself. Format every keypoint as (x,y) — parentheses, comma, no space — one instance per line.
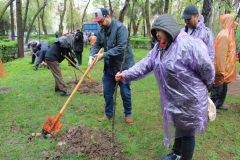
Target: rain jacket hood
(205,34)
(167,23)
(182,75)
(225,47)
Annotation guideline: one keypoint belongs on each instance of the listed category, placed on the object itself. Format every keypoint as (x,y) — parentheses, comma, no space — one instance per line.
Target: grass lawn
(32,100)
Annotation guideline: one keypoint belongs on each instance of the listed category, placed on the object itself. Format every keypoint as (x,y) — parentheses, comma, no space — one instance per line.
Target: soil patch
(84,141)
(86,86)
(5,89)
(234,87)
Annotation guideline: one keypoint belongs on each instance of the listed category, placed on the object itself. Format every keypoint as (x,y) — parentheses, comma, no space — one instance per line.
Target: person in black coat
(78,46)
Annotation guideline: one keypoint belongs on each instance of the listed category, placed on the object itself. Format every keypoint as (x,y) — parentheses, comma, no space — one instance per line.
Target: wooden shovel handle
(79,83)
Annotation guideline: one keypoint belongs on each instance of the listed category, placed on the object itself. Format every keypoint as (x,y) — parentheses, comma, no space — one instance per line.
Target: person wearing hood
(42,47)
(55,55)
(34,50)
(184,73)
(225,59)
(78,46)
(195,27)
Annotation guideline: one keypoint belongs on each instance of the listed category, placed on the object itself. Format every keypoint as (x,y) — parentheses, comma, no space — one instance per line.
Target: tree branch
(5,8)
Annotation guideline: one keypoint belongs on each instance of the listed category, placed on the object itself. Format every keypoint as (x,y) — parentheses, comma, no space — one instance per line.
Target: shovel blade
(52,126)
(90,79)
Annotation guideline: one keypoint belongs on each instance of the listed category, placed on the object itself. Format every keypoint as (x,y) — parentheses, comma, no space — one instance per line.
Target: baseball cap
(100,14)
(189,11)
(34,42)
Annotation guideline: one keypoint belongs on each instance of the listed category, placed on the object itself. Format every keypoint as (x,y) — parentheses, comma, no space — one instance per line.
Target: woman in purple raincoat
(184,72)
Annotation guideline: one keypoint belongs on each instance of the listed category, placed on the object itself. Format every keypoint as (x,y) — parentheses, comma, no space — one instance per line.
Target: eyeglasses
(100,22)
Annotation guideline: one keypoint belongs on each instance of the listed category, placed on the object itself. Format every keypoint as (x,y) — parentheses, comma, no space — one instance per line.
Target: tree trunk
(135,27)
(12,21)
(5,8)
(147,20)
(166,6)
(110,8)
(71,16)
(84,14)
(39,32)
(34,17)
(207,11)
(25,17)
(61,18)
(19,28)
(43,25)
(123,11)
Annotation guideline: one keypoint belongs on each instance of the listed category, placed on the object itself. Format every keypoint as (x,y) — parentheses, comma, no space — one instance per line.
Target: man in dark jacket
(55,55)
(78,46)
(34,50)
(113,37)
(42,47)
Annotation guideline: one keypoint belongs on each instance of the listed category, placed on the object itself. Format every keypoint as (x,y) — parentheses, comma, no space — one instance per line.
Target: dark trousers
(184,146)
(33,58)
(56,71)
(79,57)
(109,84)
(218,95)
(41,57)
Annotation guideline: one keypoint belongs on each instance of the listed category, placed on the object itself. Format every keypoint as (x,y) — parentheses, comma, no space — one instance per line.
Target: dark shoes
(171,156)
(36,67)
(218,112)
(222,108)
(30,62)
(65,94)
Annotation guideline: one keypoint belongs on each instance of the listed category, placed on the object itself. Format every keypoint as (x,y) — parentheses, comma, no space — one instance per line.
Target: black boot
(36,67)
(33,59)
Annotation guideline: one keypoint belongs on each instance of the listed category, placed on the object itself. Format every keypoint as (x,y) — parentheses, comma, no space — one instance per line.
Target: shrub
(8,50)
(4,37)
(140,42)
(6,40)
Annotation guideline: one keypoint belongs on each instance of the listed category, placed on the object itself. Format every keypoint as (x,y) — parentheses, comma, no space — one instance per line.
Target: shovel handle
(79,83)
(76,66)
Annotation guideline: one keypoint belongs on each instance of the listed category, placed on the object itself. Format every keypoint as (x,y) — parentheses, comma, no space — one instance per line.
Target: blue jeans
(109,84)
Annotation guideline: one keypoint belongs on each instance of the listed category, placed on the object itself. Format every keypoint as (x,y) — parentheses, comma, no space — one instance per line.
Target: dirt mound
(86,87)
(5,89)
(84,141)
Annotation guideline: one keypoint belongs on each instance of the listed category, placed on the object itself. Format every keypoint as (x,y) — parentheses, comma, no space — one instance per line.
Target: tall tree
(147,19)
(124,10)
(43,24)
(5,8)
(12,21)
(62,17)
(110,8)
(39,32)
(84,13)
(25,16)
(207,11)
(34,17)
(19,28)
(166,6)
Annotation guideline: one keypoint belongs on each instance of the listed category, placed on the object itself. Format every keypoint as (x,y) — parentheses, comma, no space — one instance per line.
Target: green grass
(32,100)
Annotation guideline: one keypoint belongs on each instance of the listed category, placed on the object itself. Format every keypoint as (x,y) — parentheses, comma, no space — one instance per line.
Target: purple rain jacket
(205,34)
(182,74)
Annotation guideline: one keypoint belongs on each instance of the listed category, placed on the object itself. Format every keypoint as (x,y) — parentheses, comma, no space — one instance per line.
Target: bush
(140,42)
(42,36)
(6,40)
(8,50)
(4,37)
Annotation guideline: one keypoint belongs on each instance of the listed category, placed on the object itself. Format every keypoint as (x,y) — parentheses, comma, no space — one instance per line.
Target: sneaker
(222,108)
(65,94)
(103,118)
(36,67)
(129,120)
(171,156)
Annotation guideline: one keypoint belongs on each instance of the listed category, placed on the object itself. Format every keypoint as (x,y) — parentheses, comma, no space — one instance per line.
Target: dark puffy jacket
(78,42)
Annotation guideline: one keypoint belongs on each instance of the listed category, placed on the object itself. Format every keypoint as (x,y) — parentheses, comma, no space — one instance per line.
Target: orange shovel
(52,126)
(89,77)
